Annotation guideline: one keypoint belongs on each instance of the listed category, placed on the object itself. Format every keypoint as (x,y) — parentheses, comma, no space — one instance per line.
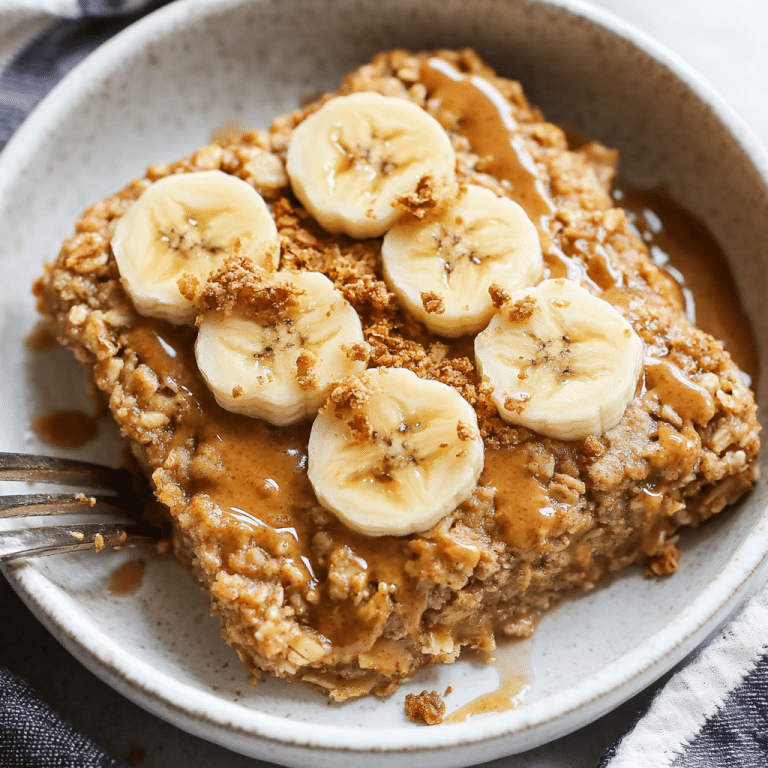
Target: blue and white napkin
(713,713)
(41,40)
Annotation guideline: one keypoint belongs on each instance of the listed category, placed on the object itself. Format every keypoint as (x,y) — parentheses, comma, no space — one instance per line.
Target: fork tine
(51,469)
(57,539)
(36,541)
(34,504)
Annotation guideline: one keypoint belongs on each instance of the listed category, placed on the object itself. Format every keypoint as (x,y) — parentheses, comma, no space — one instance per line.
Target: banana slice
(561,361)
(441,266)
(279,365)
(392,454)
(187,224)
(350,161)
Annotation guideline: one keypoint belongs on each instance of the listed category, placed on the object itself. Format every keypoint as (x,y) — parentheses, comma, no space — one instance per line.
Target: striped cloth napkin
(41,40)
(712,713)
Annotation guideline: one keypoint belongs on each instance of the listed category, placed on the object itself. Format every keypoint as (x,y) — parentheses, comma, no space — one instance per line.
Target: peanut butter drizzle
(512,688)
(689,400)
(485,119)
(265,499)
(681,244)
(524,513)
(127,578)
(513,663)
(66,428)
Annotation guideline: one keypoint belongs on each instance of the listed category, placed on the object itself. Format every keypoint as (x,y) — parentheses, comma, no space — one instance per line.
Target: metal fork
(33,542)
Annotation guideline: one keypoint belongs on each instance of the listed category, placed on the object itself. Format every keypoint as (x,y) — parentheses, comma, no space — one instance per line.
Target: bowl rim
(210,715)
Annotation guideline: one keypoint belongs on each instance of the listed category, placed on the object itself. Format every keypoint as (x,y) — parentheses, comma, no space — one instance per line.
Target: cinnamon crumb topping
(306,364)
(426,707)
(349,398)
(254,291)
(426,197)
(499,296)
(433,302)
(517,402)
(359,351)
(521,310)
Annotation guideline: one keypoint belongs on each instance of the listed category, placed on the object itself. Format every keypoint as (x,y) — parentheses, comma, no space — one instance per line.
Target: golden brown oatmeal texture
(300,595)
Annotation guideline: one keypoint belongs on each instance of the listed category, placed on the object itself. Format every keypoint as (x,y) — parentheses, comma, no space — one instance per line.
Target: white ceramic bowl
(157,91)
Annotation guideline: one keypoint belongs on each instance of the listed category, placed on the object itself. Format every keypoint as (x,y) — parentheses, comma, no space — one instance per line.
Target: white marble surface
(725,42)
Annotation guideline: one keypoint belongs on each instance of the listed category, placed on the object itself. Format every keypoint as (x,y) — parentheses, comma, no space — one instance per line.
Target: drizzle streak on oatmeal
(269,504)
(484,118)
(690,401)
(524,512)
